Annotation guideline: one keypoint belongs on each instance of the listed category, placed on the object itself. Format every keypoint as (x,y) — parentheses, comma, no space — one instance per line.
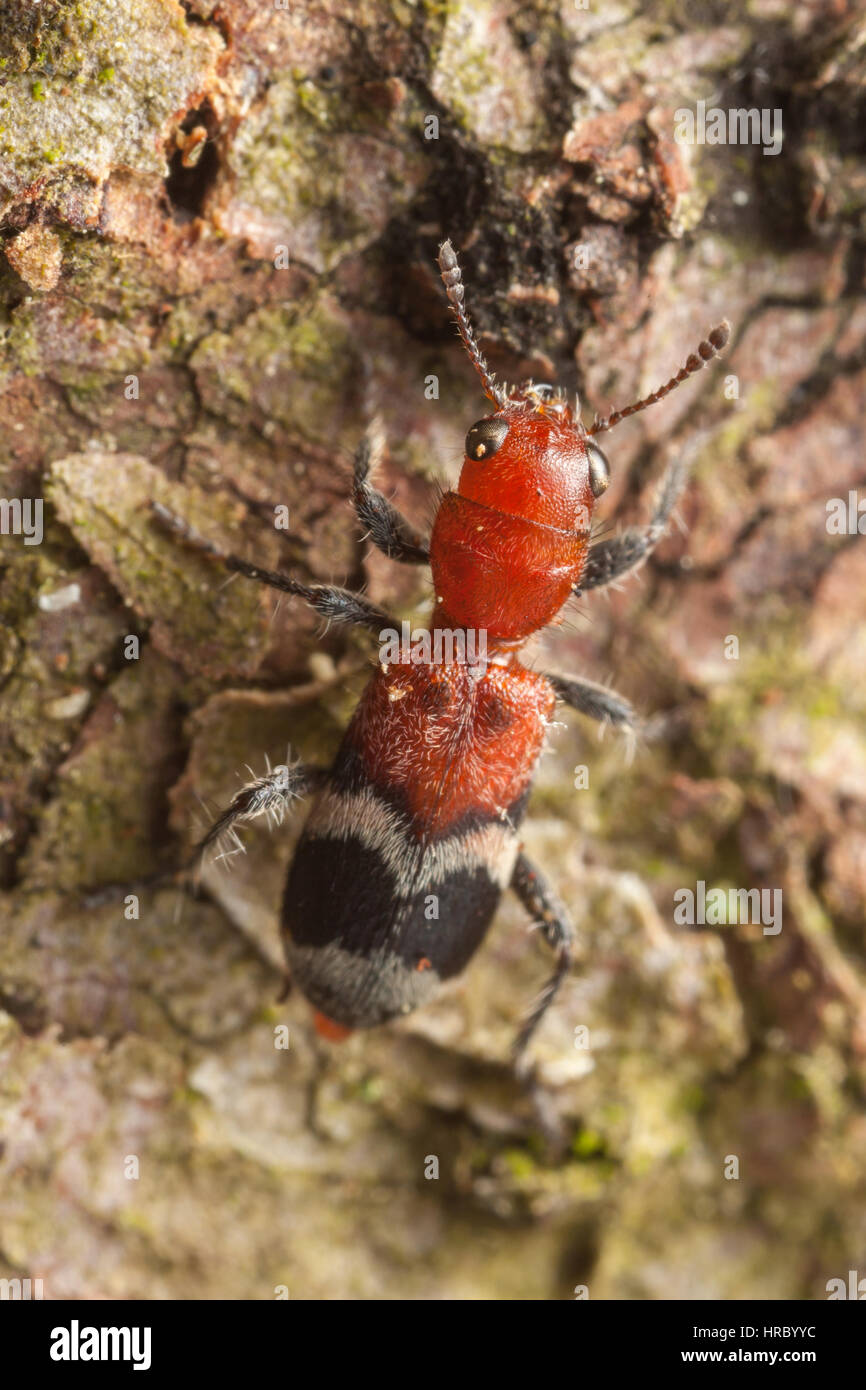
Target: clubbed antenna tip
(453,282)
(711,346)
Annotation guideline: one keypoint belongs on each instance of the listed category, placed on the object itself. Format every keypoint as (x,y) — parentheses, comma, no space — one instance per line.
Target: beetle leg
(271,796)
(610,560)
(387,528)
(338,605)
(594,700)
(552,918)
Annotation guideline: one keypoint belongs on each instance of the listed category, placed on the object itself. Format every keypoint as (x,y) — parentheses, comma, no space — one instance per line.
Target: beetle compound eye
(485,438)
(599,468)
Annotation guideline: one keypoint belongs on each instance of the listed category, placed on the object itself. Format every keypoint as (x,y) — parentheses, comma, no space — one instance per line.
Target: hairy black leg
(551,917)
(337,605)
(387,528)
(609,560)
(594,700)
(270,796)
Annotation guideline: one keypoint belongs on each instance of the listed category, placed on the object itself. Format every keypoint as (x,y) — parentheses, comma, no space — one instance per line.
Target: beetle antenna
(707,350)
(452,279)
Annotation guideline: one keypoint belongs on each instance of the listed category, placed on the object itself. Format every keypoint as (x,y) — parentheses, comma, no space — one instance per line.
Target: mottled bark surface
(159,166)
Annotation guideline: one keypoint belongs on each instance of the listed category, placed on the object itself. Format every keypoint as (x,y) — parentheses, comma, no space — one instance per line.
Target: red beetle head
(532,457)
